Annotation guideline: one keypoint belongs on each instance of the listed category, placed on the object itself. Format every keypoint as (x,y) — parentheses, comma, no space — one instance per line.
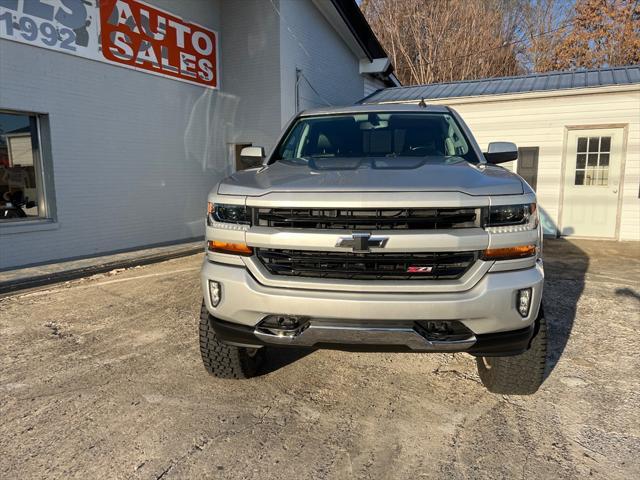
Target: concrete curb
(11,287)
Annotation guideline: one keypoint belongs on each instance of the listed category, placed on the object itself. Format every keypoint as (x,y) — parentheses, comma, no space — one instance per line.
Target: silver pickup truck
(376,228)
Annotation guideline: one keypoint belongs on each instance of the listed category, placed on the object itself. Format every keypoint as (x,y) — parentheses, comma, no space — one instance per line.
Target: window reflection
(20,179)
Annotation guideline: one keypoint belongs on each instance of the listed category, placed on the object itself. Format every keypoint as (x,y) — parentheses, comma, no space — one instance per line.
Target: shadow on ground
(565,267)
(278,358)
(628,292)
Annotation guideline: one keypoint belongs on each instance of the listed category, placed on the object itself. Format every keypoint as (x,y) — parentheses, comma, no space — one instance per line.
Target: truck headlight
(230,214)
(512,218)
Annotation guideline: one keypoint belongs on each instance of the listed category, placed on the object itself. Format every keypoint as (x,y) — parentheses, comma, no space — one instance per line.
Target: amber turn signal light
(509,253)
(233,248)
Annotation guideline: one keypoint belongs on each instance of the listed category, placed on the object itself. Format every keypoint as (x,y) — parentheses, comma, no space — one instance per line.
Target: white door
(592,182)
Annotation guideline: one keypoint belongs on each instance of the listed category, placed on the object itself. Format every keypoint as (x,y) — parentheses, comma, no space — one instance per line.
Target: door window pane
(605,144)
(20,170)
(582,144)
(599,176)
(590,176)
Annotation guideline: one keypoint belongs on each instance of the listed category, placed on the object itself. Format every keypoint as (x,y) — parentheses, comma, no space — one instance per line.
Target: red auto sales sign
(144,37)
(128,33)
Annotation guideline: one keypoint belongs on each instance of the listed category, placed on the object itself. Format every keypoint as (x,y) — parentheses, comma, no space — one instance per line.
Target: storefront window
(21,189)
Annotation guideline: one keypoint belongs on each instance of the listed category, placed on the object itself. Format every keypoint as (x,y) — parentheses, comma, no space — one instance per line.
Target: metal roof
(537,82)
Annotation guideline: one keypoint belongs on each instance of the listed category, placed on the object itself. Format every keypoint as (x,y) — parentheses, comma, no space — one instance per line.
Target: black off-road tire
(226,361)
(520,374)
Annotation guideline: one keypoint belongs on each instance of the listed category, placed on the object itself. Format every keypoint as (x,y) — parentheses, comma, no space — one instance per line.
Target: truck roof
(386,108)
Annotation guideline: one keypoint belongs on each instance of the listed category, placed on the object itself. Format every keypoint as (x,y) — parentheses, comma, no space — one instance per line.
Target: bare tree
(604,33)
(543,26)
(446,40)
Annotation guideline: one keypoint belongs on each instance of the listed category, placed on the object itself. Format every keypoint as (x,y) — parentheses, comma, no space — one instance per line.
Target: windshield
(435,136)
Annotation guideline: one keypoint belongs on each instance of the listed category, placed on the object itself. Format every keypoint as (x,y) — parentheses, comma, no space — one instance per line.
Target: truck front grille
(369,219)
(367,266)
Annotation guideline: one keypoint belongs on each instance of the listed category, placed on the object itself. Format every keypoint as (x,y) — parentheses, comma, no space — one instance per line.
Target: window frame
(43,171)
(520,169)
(597,169)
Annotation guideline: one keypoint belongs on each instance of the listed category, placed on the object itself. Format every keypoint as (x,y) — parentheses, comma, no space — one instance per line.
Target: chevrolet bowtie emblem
(362,242)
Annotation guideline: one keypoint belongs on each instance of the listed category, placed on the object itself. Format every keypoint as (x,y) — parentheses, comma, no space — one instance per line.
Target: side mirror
(500,152)
(252,157)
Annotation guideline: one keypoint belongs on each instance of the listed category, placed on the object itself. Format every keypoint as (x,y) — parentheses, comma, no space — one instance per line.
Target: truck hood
(398,174)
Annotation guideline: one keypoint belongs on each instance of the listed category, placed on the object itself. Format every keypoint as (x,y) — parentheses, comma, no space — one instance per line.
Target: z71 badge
(419,269)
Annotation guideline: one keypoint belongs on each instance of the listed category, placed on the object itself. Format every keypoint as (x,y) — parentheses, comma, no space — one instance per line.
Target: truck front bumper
(488,310)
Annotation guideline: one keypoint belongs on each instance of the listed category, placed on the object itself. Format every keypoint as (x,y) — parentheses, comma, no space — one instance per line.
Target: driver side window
(454,142)
(289,147)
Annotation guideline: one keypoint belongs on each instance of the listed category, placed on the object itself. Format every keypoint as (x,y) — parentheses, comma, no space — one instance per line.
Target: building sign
(129,33)
(140,36)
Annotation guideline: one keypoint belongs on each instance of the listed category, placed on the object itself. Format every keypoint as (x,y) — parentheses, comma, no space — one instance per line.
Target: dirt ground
(101,378)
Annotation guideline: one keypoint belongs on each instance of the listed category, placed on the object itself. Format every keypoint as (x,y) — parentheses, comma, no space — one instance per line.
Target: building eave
(360,28)
(347,19)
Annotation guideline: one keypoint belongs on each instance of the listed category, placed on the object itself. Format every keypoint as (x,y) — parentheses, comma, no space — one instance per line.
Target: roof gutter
(360,28)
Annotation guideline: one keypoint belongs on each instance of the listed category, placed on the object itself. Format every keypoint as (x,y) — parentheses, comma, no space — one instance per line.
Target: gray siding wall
(310,43)
(250,64)
(372,85)
(130,162)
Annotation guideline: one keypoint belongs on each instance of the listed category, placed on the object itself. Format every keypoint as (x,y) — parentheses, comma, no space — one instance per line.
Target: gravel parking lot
(101,378)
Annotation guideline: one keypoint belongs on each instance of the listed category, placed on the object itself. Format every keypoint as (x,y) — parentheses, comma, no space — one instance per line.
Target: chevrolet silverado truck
(376,228)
